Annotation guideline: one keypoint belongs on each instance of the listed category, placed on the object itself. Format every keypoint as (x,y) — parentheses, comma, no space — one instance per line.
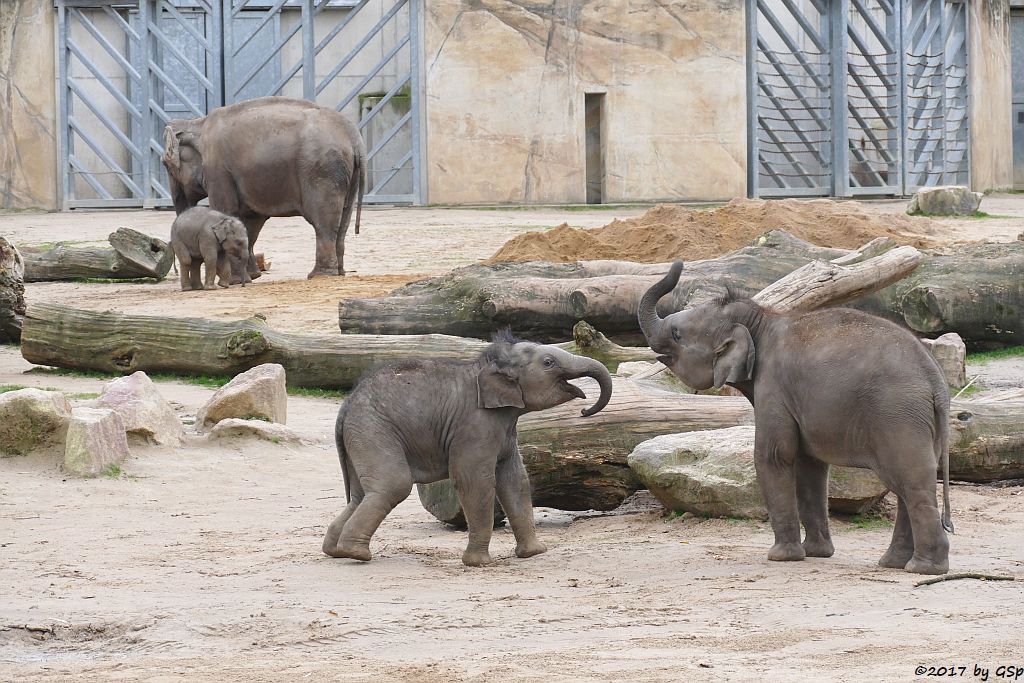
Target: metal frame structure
(856,97)
(127,67)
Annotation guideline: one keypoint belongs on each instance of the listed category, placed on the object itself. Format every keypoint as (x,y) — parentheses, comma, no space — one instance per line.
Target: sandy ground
(203,563)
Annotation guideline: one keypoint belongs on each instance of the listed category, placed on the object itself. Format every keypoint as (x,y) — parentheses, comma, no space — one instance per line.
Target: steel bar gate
(856,97)
(127,67)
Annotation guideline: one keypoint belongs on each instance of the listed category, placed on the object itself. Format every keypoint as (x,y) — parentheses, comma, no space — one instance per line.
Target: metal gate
(856,97)
(127,67)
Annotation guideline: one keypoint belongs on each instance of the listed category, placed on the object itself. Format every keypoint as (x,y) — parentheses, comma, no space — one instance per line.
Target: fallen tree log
(580,463)
(131,255)
(976,290)
(12,292)
(113,342)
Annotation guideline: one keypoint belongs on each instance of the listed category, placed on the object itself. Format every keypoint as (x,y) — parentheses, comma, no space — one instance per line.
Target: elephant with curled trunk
(829,387)
(423,421)
(272,156)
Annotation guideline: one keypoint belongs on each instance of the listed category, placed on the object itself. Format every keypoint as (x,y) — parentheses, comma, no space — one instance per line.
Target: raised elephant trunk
(647,313)
(588,367)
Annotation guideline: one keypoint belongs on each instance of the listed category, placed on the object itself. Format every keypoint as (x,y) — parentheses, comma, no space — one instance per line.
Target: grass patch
(4,388)
(986,356)
(967,391)
(112,471)
(869,522)
(83,395)
(117,281)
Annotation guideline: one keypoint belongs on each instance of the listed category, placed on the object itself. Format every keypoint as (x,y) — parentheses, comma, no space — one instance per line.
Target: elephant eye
(675,334)
(549,362)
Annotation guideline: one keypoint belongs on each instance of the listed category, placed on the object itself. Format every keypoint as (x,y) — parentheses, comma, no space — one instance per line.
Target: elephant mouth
(665,360)
(571,389)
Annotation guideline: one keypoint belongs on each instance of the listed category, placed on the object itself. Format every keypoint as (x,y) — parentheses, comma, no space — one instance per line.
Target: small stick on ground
(964,575)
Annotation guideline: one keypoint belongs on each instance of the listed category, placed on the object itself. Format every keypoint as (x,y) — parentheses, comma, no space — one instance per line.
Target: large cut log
(130,255)
(12,292)
(987,438)
(113,342)
(976,290)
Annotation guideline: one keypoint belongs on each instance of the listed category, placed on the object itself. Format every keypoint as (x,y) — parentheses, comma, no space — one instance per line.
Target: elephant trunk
(588,367)
(647,313)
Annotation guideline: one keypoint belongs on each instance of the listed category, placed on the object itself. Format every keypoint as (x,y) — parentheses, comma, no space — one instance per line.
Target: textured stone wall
(28,111)
(505,85)
(991,94)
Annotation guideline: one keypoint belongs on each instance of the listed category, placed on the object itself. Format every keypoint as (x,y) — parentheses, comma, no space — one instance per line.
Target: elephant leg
(475,483)
(185,271)
(812,503)
(330,546)
(901,548)
(385,482)
(223,271)
(775,451)
(513,489)
(253,226)
(326,223)
(210,260)
(931,546)
(195,275)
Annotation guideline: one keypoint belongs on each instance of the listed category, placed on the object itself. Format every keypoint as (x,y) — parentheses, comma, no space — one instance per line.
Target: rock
(634,367)
(440,500)
(711,473)
(951,353)
(142,409)
(96,440)
(31,418)
(945,200)
(260,429)
(258,393)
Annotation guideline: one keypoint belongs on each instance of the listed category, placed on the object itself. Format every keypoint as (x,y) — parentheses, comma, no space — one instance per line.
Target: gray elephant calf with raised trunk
(424,421)
(201,235)
(829,387)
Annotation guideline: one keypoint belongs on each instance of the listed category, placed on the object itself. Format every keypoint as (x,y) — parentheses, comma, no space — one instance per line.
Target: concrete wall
(991,94)
(505,85)
(28,111)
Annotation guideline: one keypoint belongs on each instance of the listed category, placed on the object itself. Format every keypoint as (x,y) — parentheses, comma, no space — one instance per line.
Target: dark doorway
(593,105)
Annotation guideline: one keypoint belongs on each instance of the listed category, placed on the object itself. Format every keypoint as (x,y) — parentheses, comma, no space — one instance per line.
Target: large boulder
(256,394)
(711,473)
(96,441)
(945,200)
(951,353)
(144,412)
(30,418)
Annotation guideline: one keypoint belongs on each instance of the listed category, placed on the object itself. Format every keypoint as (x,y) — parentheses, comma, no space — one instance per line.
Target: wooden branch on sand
(964,575)
(131,255)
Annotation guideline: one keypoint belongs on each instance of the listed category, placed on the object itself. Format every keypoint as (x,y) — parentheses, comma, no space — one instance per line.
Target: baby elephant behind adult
(424,421)
(829,387)
(202,235)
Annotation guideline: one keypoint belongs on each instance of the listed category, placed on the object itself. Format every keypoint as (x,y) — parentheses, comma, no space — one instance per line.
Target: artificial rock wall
(505,87)
(28,111)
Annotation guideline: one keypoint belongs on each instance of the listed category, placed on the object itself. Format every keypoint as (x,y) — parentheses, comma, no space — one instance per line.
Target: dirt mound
(668,231)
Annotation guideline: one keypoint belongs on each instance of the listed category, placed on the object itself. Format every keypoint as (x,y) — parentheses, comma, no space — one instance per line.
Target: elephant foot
(786,552)
(210,288)
(819,548)
(895,558)
(223,284)
(323,272)
(530,549)
(349,550)
(476,558)
(918,566)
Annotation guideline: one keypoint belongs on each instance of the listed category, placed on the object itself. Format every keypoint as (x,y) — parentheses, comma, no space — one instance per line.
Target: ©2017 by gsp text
(1000,672)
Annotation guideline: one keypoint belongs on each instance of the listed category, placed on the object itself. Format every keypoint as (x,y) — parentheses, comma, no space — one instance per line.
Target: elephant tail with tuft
(941,401)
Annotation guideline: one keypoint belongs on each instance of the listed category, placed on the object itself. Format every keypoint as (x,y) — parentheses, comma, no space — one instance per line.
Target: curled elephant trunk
(596,370)
(647,312)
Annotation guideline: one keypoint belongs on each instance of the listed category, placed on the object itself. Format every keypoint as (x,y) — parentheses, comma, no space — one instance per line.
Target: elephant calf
(201,235)
(833,386)
(424,421)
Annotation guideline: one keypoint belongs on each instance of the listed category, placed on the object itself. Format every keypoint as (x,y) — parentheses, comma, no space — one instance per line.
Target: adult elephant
(272,156)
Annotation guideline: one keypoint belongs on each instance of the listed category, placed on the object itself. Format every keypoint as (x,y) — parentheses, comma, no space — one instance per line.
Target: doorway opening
(593,107)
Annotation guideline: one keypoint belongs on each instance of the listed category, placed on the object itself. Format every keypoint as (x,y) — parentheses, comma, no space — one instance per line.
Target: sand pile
(668,231)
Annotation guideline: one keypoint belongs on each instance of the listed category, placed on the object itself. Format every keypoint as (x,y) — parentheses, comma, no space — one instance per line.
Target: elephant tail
(361,179)
(941,401)
(339,440)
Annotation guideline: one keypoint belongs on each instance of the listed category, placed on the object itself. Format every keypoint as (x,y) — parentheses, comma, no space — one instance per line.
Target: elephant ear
(171,158)
(734,357)
(498,388)
(220,230)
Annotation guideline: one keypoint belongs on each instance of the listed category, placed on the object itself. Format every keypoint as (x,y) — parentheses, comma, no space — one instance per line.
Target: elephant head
(234,240)
(709,345)
(183,159)
(528,376)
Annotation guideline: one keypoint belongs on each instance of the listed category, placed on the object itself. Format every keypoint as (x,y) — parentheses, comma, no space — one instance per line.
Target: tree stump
(12,292)
(131,255)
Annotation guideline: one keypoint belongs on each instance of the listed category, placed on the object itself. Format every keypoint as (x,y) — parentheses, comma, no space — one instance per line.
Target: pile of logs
(131,255)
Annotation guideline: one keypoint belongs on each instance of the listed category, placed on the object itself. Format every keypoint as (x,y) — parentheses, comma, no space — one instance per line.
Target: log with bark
(131,255)
(976,290)
(12,292)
